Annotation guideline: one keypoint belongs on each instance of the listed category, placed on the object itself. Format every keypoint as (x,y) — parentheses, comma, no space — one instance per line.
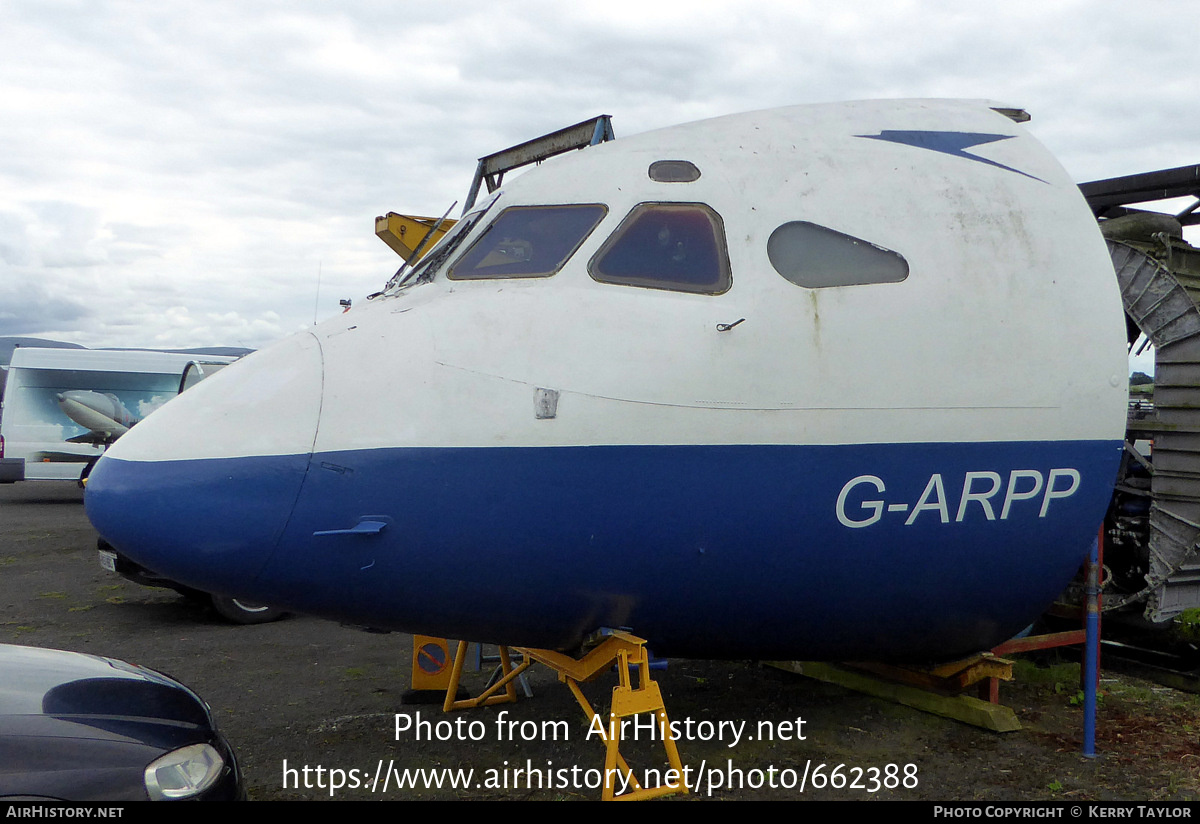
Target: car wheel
(245,612)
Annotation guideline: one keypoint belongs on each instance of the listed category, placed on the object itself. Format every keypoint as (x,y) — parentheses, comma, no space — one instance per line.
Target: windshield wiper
(396,281)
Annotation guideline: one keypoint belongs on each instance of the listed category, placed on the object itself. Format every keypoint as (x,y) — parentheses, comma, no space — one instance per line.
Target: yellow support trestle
(490,695)
(626,651)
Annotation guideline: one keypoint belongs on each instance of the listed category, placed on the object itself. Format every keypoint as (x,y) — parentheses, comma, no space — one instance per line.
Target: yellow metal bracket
(620,648)
(404,233)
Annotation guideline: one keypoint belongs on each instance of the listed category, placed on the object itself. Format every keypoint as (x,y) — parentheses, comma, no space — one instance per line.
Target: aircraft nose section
(200,491)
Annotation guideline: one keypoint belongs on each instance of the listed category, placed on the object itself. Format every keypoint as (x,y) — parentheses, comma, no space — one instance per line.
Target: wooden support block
(1038,642)
(962,708)
(953,677)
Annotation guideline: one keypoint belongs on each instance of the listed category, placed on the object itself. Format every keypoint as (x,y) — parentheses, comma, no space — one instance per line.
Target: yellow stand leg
(627,700)
(488,696)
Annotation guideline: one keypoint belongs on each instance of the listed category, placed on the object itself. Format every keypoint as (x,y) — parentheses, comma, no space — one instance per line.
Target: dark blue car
(77,727)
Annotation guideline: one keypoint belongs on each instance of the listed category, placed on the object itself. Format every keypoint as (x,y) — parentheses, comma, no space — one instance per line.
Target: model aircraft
(842,381)
(101,413)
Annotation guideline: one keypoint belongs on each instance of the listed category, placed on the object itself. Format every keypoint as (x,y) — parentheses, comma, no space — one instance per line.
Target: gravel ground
(308,693)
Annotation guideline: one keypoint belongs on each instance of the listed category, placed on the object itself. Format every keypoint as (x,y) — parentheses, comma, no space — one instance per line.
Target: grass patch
(1188,624)
(1059,678)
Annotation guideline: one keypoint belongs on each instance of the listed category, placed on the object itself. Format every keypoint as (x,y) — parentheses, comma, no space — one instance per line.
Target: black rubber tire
(245,612)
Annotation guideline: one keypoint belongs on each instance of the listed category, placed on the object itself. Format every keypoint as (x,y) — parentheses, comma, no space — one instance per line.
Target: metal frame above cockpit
(492,167)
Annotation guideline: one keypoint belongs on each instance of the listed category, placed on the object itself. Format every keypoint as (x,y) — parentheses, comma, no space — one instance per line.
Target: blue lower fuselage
(851,551)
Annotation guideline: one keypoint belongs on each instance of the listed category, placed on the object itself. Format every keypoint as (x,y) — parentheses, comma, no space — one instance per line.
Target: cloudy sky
(183,173)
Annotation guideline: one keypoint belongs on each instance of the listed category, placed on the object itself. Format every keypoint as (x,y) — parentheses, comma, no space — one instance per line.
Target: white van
(63,407)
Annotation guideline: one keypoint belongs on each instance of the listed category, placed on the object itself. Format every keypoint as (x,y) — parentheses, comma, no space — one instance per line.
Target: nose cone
(201,490)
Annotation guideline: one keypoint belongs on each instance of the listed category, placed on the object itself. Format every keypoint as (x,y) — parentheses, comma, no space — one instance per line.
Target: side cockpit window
(675,246)
(528,242)
(815,257)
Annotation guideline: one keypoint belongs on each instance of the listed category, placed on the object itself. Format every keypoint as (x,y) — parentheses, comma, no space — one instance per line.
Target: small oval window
(528,242)
(676,246)
(816,257)
(674,171)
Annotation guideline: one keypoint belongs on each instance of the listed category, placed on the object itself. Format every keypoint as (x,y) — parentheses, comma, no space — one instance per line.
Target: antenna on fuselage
(317,299)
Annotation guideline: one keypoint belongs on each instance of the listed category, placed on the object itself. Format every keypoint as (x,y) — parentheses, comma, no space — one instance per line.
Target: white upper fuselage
(1001,331)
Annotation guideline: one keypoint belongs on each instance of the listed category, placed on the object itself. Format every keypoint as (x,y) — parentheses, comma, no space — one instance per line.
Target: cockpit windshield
(528,242)
(679,247)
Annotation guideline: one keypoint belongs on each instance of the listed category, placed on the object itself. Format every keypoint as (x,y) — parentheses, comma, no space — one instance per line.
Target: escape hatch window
(673,171)
(815,257)
(528,242)
(675,246)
